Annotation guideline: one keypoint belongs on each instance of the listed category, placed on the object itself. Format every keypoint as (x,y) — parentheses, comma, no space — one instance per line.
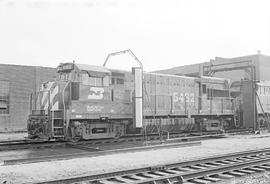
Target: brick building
(16,84)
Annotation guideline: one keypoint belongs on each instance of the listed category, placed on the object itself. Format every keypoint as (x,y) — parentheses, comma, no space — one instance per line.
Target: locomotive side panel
(170,95)
(101,109)
(167,103)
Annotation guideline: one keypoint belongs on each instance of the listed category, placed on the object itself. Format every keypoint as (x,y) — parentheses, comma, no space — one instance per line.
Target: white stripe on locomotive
(44,97)
(53,89)
(53,98)
(54,93)
(55,106)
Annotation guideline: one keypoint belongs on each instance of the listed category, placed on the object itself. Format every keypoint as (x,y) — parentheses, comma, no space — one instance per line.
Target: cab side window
(92,81)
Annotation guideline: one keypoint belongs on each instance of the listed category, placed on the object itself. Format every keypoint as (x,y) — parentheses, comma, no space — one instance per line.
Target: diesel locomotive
(94,102)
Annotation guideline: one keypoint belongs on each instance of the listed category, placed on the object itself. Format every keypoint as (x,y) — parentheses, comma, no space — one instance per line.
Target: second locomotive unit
(93,102)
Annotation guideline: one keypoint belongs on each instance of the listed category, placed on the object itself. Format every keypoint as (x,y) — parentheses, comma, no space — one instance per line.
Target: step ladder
(57,120)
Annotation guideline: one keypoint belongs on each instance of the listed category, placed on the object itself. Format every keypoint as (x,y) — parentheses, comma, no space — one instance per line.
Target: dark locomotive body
(90,102)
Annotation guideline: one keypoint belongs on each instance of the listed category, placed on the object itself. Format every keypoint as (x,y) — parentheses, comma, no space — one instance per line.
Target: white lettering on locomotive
(175,97)
(94,108)
(96,93)
(180,97)
(187,97)
(192,97)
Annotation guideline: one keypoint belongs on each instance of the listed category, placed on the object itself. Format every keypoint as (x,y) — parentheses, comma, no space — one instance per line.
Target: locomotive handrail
(64,105)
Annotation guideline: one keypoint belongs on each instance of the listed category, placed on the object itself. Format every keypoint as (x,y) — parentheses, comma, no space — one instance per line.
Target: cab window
(65,76)
(93,81)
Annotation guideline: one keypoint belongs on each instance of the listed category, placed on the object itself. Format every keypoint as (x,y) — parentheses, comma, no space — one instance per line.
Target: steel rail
(245,162)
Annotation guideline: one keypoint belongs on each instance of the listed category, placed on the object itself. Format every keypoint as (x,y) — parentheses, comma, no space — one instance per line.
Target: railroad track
(29,144)
(206,170)
(152,139)
(91,145)
(94,153)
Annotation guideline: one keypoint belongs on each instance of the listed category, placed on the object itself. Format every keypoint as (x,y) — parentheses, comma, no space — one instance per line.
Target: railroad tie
(225,176)
(236,173)
(231,161)
(174,171)
(247,171)
(243,159)
(200,181)
(197,167)
(213,164)
(125,180)
(212,178)
(257,169)
(251,157)
(206,166)
(266,167)
(184,169)
(106,182)
(136,177)
(160,173)
(149,175)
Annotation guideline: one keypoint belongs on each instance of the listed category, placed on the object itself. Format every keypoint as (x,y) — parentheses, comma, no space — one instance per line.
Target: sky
(162,33)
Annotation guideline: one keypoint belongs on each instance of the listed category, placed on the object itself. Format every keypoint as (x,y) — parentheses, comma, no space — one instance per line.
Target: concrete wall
(23,80)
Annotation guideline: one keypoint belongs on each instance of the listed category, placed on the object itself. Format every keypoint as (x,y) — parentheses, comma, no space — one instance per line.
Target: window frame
(5,97)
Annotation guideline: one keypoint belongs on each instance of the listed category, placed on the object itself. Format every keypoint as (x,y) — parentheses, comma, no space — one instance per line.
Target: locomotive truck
(94,102)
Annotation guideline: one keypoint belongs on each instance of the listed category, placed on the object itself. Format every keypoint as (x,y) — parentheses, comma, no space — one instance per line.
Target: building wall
(261,63)
(264,65)
(22,81)
(190,70)
(237,75)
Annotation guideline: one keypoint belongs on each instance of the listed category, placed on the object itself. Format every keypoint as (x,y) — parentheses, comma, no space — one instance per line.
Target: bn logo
(96,93)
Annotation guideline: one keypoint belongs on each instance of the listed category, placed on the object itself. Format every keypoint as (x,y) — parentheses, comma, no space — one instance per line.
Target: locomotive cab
(83,102)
